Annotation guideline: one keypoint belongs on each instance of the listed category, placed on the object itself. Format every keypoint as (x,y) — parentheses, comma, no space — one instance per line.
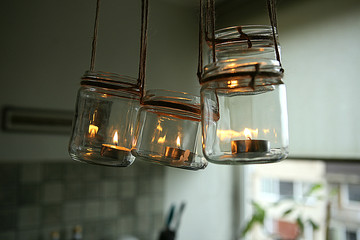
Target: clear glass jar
(105,118)
(243,98)
(168,130)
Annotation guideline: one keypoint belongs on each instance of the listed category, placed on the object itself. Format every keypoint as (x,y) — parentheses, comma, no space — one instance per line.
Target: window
(351,235)
(354,193)
(286,189)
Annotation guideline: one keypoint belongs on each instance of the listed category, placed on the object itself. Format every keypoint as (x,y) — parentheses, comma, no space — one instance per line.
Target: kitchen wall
(39,198)
(47,48)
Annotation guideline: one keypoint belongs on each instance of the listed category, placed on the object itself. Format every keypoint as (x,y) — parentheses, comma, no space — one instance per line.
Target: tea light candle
(178,154)
(113,151)
(250,145)
(246,146)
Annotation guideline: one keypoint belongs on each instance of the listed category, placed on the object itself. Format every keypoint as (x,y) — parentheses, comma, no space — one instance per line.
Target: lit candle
(249,145)
(179,154)
(114,151)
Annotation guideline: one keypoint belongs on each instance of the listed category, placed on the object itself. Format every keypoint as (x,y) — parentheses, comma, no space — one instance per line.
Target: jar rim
(224,69)
(246,28)
(174,100)
(111,81)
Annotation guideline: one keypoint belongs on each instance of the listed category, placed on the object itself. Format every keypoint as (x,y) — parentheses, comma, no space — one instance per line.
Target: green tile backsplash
(39,198)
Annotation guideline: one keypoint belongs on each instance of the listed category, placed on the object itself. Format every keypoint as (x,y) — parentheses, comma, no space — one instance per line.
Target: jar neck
(249,41)
(177,104)
(110,82)
(238,69)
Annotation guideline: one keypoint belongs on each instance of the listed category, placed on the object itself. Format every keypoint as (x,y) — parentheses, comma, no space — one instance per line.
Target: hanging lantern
(168,130)
(243,97)
(103,129)
(107,107)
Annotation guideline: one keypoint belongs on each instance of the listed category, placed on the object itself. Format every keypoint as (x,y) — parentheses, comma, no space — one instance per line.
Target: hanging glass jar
(168,130)
(243,97)
(103,129)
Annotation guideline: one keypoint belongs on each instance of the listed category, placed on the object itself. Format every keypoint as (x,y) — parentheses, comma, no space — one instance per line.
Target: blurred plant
(260,213)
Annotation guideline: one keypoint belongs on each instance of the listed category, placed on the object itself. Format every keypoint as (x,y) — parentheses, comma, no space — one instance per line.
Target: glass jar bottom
(96,156)
(275,155)
(153,157)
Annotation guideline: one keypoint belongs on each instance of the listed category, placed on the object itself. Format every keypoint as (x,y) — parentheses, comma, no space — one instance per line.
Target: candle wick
(249,138)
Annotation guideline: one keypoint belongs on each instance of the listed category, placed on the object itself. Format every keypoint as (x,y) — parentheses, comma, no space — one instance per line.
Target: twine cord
(94,42)
(143,47)
(209,23)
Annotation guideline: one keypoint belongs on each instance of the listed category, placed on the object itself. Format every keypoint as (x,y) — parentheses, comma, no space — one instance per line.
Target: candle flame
(162,139)
(116,138)
(232,83)
(247,133)
(231,134)
(93,130)
(178,141)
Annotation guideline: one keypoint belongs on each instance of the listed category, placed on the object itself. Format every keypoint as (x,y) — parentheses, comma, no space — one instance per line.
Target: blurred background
(315,194)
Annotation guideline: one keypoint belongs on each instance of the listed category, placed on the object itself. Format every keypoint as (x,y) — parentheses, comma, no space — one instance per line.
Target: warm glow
(231,134)
(250,133)
(159,126)
(93,130)
(178,142)
(162,139)
(232,83)
(228,134)
(116,138)
(266,131)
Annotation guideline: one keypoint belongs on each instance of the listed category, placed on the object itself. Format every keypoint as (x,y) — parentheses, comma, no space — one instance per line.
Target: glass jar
(243,98)
(103,129)
(168,130)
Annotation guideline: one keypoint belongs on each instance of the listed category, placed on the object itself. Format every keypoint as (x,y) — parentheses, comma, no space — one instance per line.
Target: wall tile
(9,173)
(74,171)
(128,172)
(29,217)
(8,195)
(157,185)
(92,172)
(92,190)
(53,192)
(31,173)
(53,171)
(8,235)
(52,214)
(39,198)
(46,232)
(8,219)
(110,208)
(128,188)
(74,191)
(126,225)
(93,231)
(32,234)
(143,203)
(91,210)
(29,194)
(143,225)
(127,207)
(109,230)
(112,173)
(143,187)
(73,211)
(157,203)
(109,189)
